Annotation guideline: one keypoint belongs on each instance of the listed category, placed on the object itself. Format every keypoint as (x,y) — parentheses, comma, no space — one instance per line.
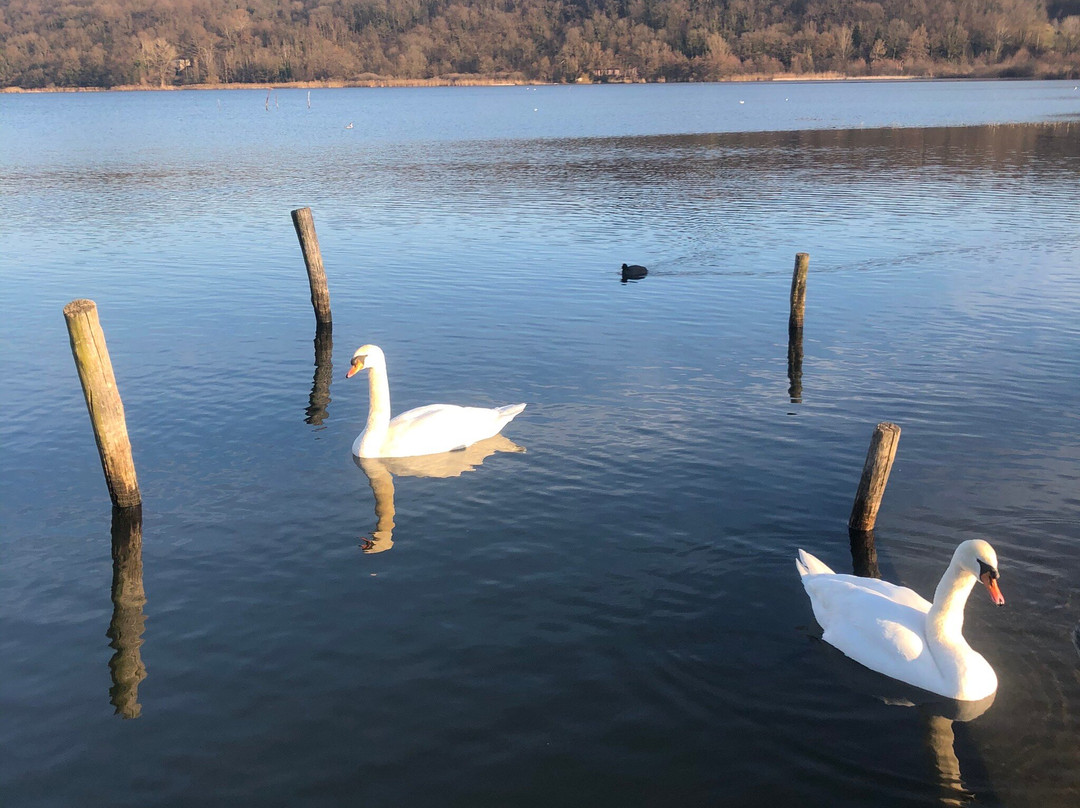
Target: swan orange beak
(992,587)
(356,366)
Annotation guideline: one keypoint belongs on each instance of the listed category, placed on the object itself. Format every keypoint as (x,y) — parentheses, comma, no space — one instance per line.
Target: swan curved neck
(945,620)
(379,398)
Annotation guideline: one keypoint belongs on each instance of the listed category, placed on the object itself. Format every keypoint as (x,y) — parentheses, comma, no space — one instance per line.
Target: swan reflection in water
(381,471)
(939,716)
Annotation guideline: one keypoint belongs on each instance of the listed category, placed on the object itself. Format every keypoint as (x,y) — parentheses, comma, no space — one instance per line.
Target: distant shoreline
(470,82)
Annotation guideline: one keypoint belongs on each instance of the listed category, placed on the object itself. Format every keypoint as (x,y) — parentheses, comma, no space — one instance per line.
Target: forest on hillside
(108,43)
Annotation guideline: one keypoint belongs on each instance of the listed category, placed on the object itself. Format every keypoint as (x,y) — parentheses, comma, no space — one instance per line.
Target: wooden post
(879,460)
(128,622)
(102,401)
(309,245)
(798,291)
(324,370)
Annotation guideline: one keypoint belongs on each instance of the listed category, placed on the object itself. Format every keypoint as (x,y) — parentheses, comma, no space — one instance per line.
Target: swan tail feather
(509,411)
(808,564)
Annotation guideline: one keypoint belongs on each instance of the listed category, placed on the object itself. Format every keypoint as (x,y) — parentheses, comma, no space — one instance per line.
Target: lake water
(611,616)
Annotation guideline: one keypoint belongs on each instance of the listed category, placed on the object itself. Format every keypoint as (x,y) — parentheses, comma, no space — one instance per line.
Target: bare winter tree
(156,58)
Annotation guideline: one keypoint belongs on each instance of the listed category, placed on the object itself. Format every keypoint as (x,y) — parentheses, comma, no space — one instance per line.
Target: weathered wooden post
(128,622)
(324,370)
(102,401)
(795,327)
(798,291)
(879,460)
(309,245)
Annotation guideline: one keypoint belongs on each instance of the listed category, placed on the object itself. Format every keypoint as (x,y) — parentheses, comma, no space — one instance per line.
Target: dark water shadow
(864,562)
(128,621)
(319,399)
(381,471)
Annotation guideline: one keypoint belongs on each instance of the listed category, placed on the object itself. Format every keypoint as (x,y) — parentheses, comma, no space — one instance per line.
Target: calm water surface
(611,616)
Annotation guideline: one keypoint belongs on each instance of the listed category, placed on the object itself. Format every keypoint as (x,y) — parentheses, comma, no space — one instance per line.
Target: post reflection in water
(381,471)
(794,364)
(128,622)
(864,561)
(324,369)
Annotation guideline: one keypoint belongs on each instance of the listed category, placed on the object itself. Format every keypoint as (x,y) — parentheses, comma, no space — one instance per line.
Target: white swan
(425,430)
(893,631)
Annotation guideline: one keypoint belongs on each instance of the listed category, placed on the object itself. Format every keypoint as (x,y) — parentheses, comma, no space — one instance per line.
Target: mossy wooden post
(128,622)
(798,292)
(309,245)
(879,460)
(102,401)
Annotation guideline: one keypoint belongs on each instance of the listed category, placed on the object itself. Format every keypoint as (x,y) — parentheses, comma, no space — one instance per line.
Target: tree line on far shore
(108,43)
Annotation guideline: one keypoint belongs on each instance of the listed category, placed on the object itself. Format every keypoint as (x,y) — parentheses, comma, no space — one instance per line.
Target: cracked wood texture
(102,401)
(309,246)
(879,460)
(798,291)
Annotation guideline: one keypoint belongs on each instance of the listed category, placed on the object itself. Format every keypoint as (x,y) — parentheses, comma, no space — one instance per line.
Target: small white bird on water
(425,430)
(894,631)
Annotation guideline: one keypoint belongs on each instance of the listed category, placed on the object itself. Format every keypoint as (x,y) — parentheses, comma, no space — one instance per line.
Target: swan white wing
(872,628)
(890,647)
(848,597)
(809,566)
(878,638)
(439,428)
(897,594)
(876,587)
(419,413)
